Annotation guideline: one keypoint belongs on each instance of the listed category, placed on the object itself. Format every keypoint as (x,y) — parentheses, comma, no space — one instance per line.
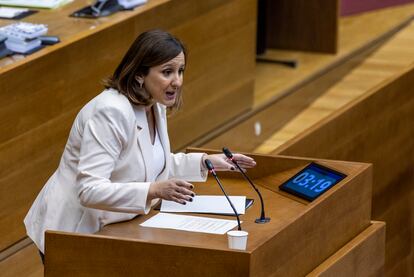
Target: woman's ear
(140,80)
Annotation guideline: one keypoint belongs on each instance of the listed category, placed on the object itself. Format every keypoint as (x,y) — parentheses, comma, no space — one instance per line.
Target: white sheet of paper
(216,204)
(51,4)
(11,12)
(190,223)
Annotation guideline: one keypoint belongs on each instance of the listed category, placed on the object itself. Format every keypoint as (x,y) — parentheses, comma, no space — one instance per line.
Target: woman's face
(164,81)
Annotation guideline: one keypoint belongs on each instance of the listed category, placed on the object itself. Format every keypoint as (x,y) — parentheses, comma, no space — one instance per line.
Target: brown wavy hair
(149,49)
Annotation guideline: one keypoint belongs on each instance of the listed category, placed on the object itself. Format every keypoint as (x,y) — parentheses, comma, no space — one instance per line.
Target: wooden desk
(41,94)
(299,237)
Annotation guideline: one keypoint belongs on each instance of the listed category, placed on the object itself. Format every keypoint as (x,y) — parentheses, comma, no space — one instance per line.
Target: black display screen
(312,181)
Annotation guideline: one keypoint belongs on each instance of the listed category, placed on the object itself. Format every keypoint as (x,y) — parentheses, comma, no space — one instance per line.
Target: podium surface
(299,237)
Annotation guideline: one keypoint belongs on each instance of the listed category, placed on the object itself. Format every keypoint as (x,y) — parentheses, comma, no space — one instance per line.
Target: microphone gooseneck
(210,168)
(229,155)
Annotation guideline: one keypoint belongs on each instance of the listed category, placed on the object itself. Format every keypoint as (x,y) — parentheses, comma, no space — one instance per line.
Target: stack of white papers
(190,223)
(6,12)
(128,4)
(47,4)
(214,204)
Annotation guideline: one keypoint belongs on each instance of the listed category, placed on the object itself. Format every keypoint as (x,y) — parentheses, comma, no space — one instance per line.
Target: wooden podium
(300,236)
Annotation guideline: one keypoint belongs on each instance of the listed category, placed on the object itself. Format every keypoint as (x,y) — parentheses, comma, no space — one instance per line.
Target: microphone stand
(263,218)
(210,167)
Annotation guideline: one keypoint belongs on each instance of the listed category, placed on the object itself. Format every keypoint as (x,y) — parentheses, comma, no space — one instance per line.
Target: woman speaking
(117,161)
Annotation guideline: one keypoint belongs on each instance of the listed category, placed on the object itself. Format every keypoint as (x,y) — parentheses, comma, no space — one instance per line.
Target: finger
(233,168)
(240,167)
(225,167)
(183,197)
(222,163)
(188,198)
(244,165)
(247,162)
(185,191)
(179,201)
(243,158)
(182,183)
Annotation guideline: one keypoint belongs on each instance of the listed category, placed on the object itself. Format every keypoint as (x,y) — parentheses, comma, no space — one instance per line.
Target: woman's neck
(148,109)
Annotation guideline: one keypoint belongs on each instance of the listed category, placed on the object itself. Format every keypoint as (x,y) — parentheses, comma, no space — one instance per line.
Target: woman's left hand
(222,163)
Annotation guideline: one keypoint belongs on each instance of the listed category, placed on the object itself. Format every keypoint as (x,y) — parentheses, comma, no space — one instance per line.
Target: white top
(104,173)
(158,157)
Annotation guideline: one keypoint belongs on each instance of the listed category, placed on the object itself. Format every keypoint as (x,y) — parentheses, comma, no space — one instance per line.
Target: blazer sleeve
(104,136)
(188,167)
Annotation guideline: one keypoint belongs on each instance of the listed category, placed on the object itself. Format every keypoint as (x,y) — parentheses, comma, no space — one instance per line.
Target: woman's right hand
(175,190)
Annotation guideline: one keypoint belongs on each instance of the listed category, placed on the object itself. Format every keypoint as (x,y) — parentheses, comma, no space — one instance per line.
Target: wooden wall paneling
(317,73)
(376,128)
(78,81)
(362,256)
(215,87)
(26,164)
(303,25)
(210,110)
(355,34)
(292,101)
(41,94)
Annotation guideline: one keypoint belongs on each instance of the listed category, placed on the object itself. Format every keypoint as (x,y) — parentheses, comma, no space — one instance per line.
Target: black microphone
(263,218)
(210,168)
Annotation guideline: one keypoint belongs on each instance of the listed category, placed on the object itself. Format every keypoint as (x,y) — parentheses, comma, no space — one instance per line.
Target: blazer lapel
(143,137)
(161,121)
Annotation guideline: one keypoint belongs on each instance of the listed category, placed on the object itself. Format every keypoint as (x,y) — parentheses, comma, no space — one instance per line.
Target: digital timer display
(312,181)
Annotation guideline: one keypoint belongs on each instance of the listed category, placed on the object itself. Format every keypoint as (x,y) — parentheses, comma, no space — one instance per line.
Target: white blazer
(103,173)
